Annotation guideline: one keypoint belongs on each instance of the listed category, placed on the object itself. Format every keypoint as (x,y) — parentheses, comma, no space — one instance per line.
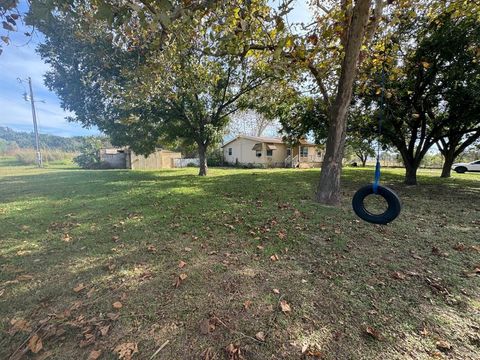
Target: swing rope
(381,115)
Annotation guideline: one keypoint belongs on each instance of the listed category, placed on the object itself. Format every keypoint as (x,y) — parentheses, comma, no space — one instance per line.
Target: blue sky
(19,60)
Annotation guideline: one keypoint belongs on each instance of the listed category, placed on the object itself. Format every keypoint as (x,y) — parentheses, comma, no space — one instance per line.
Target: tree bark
(328,189)
(411,174)
(202,155)
(447,164)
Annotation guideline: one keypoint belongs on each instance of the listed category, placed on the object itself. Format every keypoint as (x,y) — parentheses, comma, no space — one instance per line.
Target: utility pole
(35,127)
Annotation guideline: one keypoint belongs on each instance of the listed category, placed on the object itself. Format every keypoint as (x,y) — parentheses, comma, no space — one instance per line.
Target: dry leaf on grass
(126,350)
(443,345)
(285,307)
(35,344)
(117,305)
(179,279)
(94,354)
(151,249)
(372,332)
(182,264)
(398,275)
(276,291)
(24,277)
(19,325)
(274,257)
(90,293)
(260,336)
(115,238)
(246,304)
(104,330)
(79,287)
(66,238)
(233,352)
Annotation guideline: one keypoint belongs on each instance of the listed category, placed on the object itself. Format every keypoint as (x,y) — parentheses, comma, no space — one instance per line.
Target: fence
(181,163)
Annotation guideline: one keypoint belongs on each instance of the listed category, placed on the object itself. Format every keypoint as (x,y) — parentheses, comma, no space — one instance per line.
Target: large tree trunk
(447,164)
(411,174)
(328,189)
(202,155)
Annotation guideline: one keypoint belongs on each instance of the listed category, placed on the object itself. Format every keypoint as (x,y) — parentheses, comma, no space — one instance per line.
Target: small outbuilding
(124,158)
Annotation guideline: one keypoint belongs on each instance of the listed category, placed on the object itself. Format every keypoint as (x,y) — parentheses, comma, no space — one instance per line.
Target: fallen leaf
(473,273)
(24,277)
(274,257)
(126,350)
(19,325)
(246,304)
(94,354)
(89,340)
(117,305)
(179,279)
(182,264)
(66,238)
(151,248)
(260,336)
(276,291)
(187,249)
(35,344)
(113,316)
(372,332)
(443,345)
(398,275)
(233,352)
(104,330)
(79,287)
(424,331)
(284,306)
(90,293)
(115,238)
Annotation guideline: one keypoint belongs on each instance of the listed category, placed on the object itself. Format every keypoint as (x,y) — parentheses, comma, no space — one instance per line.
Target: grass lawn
(241,264)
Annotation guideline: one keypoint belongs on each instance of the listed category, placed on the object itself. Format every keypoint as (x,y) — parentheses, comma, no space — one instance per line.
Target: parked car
(464,167)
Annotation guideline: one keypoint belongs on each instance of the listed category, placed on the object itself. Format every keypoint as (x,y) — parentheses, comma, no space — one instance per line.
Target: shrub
(215,157)
(89,157)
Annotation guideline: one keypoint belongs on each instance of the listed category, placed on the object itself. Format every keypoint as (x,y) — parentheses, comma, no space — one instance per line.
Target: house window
(258,153)
(230,151)
(289,152)
(303,151)
(269,152)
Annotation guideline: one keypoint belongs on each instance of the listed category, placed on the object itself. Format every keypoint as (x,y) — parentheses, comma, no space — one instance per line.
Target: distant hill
(27,140)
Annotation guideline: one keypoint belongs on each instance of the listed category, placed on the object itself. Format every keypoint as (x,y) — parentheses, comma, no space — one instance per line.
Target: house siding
(242,153)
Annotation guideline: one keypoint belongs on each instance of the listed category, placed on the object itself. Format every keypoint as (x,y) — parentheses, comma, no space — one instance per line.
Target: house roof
(268,140)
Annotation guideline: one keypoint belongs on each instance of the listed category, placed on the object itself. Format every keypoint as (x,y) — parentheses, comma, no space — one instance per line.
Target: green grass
(123,233)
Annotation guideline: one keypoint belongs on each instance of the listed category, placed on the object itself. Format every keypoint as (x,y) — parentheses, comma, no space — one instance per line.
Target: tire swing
(393,201)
